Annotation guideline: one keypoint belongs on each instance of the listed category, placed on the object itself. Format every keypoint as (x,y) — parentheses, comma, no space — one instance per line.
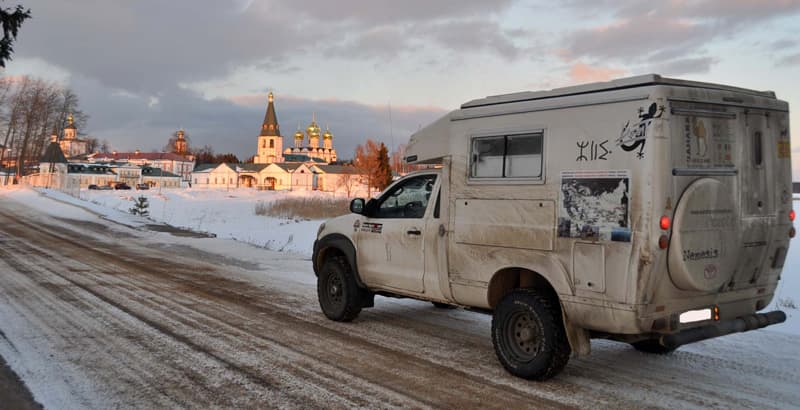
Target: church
(71,145)
(306,146)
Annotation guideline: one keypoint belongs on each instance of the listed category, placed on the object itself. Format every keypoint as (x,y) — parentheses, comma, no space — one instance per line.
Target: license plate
(695,315)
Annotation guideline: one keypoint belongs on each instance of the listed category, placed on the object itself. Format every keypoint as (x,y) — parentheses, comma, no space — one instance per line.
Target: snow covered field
(228,214)
(231,214)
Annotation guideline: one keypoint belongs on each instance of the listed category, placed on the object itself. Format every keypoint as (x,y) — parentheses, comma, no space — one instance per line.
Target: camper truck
(648,210)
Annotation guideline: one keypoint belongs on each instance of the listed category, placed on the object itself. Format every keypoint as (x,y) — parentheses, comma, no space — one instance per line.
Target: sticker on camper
(707,142)
(634,133)
(784,149)
(594,205)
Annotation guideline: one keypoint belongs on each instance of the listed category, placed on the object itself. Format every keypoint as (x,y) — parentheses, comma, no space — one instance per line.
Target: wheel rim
(335,289)
(524,336)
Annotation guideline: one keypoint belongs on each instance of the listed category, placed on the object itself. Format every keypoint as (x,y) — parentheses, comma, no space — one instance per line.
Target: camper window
(507,156)
(758,156)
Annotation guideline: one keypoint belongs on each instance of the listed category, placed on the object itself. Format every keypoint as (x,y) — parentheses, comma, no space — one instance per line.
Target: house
(332,178)
(157,177)
(275,176)
(91,174)
(128,173)
(167,161)
(215,176)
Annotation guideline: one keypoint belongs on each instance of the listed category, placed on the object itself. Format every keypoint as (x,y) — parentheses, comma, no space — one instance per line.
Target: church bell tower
(270,142)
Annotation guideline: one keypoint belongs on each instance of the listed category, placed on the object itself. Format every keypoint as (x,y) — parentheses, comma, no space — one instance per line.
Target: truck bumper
(722,328)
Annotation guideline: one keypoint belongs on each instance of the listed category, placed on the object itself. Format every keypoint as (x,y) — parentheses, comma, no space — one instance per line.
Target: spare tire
(705,236)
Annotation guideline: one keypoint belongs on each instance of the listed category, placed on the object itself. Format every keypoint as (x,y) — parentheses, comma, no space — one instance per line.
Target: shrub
(304,208)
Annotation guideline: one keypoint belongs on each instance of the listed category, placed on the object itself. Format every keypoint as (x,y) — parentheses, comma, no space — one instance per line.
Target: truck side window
(507,156)
(408,199)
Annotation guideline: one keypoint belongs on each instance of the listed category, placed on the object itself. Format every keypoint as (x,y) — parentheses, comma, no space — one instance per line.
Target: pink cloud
(585,73)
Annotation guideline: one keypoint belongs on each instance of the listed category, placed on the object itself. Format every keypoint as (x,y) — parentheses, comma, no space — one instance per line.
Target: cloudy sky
(144,68)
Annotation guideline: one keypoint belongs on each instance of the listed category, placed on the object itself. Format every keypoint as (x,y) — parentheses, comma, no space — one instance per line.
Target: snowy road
(94,314)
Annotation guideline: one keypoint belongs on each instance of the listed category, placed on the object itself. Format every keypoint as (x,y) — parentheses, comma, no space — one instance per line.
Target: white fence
(68,184)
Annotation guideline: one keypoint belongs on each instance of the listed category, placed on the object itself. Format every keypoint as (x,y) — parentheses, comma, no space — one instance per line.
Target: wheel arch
(507,279)
(335,244)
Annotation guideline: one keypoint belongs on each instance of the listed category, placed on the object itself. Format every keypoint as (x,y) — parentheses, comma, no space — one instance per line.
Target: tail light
(791,215)
(663,242)
(716,312)
(664,223)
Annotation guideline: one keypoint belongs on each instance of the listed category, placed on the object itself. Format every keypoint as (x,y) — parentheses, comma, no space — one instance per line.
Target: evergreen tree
(11,20)
(384,174)
(140,206)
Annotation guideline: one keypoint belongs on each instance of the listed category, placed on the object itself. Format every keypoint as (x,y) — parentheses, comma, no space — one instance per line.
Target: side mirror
(357,206)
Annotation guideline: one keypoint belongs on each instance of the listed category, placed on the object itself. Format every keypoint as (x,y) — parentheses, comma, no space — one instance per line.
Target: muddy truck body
(648,210)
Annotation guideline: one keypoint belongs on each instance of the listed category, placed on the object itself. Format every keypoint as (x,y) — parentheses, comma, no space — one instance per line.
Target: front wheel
(338,293)
(528,335)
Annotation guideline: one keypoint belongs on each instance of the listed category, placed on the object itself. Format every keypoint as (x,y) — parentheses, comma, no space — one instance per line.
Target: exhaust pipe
(722,328)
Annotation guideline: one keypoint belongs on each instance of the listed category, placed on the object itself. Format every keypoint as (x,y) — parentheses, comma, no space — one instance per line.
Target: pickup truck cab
(647,210)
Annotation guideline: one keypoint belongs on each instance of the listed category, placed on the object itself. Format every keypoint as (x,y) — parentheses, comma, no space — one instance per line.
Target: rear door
(706,237)
(757,186)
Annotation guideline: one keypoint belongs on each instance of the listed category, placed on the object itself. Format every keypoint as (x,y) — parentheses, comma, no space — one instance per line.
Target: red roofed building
(167,161)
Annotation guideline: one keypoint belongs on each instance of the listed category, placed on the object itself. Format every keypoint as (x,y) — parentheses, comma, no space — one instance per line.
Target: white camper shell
(648,210)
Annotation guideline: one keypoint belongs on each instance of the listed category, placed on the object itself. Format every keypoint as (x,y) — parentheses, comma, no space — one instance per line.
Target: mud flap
(578,337)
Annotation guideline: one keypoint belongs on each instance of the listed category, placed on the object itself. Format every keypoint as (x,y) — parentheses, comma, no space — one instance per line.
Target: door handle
(414,232)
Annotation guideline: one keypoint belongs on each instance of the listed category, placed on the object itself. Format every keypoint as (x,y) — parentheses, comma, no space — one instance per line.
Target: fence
(68,184)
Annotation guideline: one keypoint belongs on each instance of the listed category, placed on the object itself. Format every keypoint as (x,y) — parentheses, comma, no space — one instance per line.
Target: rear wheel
(651,346)
(528,335)
(338,293)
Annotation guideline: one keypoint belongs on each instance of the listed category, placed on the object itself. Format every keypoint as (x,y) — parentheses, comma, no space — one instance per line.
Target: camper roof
(622,83)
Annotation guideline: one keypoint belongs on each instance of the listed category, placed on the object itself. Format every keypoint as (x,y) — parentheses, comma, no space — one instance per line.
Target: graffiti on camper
(592,151)
(594,205)
(634,135)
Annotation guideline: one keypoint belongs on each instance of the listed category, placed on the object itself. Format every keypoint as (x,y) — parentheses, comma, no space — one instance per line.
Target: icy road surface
(98,315)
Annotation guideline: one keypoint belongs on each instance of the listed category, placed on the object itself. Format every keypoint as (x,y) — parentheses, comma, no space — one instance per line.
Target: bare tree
(91,144)
(348,180)
(105,148)
(31,110)
(397,160)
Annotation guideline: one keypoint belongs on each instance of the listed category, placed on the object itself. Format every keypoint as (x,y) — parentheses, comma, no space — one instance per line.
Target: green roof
(203,167)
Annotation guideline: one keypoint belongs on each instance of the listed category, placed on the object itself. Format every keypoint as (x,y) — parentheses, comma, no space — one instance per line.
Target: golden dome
(298,135)
(327,134)
(313,129)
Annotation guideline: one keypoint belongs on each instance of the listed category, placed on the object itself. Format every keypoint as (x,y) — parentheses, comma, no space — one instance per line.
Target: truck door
(758,186)
(391,239)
